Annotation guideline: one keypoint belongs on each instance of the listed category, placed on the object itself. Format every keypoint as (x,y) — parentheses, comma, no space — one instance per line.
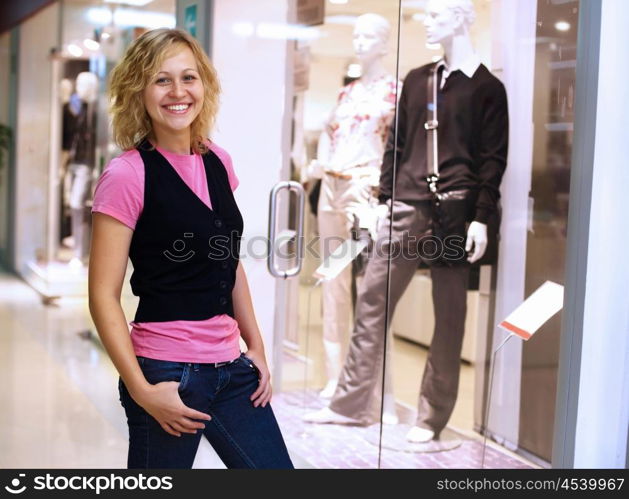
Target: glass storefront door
(356,346)
(345,88)
(439,307)
(358,330)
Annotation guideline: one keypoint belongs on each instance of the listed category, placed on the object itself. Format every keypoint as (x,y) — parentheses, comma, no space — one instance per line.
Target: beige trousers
(338,201)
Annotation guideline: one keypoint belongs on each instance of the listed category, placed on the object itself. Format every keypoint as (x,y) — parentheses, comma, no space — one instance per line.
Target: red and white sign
(545,302)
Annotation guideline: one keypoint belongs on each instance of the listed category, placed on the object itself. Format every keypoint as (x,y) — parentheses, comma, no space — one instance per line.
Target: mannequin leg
(440,381)
(78,195)
(389,412)
(333,360)
(337,292)
(77,216)
(359,380)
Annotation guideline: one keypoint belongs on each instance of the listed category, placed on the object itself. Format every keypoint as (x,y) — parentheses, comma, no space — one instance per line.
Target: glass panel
(553,115)
(437,312)
(342,108)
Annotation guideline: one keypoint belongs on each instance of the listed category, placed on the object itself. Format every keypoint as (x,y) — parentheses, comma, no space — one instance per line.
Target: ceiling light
(135,3)
(75,50)
(99,16)
(143,19)
(418,16)
(91,44)
(562,26)
(338,2)
(348,20)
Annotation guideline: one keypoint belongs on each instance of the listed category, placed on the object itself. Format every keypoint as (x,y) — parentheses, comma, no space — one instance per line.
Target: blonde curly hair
(140,63)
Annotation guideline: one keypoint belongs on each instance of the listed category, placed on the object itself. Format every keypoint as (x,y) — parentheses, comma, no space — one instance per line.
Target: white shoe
(419,435)
(327,415)
(389,414)
(328,391)
(390,418)
(75,263)
(332,351)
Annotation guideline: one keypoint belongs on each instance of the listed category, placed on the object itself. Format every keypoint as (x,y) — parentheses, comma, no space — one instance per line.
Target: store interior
(53,252)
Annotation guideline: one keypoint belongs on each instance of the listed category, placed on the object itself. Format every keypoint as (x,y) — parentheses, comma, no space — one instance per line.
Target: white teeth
(179,107)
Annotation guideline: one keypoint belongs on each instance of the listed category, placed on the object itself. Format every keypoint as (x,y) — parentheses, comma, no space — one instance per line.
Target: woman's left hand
(262,395)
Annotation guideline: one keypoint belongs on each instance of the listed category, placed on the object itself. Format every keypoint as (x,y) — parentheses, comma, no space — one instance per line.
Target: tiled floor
(60,404)
(343,446)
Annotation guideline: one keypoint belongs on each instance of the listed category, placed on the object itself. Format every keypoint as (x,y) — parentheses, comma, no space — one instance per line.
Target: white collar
(468,67)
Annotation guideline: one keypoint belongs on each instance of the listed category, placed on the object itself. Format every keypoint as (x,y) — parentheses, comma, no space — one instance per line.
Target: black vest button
(223,300)
(224,265)
(223,284)
(218,223)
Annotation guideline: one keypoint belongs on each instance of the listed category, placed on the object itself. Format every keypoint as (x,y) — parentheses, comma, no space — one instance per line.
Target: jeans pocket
(120,394)
(157,371)
(249,363)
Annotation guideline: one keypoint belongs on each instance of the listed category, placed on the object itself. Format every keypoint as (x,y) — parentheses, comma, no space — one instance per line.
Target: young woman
(167,204)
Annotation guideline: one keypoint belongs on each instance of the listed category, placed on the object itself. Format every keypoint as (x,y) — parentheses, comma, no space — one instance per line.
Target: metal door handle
(299,190)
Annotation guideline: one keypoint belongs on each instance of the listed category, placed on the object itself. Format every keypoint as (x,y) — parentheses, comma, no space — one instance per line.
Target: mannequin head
(86,86)
(448,18)
(371,35)
(65,90)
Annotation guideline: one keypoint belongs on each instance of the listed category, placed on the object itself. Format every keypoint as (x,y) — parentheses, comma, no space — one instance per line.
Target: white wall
(37,35)
(251,126)
(603,405)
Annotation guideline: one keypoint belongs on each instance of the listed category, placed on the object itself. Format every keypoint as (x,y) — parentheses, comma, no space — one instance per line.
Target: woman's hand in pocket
(162,401)
(262,395)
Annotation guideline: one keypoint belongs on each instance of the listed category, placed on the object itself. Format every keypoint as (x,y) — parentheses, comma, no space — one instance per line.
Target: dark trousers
(361,379)
(242,435)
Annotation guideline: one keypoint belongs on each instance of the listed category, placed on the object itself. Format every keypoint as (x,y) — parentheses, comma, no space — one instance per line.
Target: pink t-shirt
(120,194)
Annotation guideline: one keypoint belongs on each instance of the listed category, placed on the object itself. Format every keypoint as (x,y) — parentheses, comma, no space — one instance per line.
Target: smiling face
(174,96)
(441,22)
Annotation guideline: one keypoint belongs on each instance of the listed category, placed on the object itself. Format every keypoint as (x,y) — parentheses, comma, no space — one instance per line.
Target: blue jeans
(242,435)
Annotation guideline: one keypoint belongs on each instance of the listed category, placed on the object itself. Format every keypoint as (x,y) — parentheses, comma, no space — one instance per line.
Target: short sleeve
(226,159)
(119,192)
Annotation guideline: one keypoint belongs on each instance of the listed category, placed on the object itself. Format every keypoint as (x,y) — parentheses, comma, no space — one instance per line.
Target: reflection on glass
(93,37)
(553,115)
(345,96)
(328,148)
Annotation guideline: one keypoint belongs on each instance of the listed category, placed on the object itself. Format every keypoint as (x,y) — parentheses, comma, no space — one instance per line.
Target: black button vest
(184,254)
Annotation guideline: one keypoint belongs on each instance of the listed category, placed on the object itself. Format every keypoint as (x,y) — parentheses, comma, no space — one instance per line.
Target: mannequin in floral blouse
(348,162)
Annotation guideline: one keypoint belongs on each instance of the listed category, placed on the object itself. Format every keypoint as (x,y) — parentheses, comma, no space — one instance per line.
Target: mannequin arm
(494,142)
(316,167)
(391,149)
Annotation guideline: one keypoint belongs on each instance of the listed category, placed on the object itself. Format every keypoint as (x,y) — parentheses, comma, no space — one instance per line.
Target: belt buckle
(431,125)
(221,364)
